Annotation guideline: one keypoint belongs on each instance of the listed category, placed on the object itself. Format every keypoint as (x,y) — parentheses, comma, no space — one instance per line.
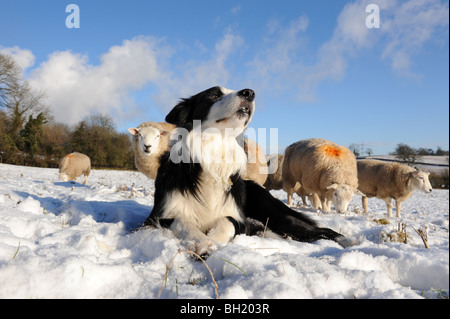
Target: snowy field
(64,240)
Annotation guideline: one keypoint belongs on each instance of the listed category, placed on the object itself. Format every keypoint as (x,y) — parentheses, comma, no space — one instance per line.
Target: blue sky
(317,70)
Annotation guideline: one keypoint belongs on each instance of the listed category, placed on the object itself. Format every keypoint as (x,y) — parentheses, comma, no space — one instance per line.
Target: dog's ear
(180,114)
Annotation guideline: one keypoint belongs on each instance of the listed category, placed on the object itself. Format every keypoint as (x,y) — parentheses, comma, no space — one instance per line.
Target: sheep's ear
(333,186)
(164,133)
(358,192)
(133,131)
(180,113)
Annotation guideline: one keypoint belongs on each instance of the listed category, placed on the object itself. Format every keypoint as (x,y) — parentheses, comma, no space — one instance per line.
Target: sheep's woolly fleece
(67,240)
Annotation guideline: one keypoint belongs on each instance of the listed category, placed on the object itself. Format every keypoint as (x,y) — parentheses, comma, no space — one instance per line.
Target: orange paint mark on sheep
(331,151)
(70,155)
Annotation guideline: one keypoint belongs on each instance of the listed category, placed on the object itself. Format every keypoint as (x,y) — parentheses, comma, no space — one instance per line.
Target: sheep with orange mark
(389,181)
(74,165)
(256,162)
(275,181)
(322,167)
(150,140)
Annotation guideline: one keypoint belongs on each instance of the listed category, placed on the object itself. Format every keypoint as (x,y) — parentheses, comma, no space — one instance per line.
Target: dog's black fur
(253,201)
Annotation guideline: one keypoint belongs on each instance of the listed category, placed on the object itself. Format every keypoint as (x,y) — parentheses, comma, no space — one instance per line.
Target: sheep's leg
(389,206)
(365,204)
(398,207)
(85,179)
(326,205)
(315,201)
(304,200)
(290,192)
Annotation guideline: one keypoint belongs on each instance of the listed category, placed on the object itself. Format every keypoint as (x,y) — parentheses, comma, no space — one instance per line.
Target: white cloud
(349,37)
(236,9)
(197,75)
(277,61)
(24,58)
(405,28)
(408,27)
(76,88)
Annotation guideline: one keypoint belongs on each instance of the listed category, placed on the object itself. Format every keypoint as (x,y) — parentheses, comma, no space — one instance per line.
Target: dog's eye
(216,96)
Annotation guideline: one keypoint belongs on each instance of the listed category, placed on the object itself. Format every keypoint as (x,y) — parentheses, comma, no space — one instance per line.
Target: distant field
(427,163)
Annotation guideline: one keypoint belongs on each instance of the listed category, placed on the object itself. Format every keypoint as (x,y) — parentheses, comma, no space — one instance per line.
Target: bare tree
(9,77)
(18,99)
(406,154)
(355,148)
(360,149)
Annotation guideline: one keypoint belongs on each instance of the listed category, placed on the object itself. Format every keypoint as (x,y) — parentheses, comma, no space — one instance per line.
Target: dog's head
(216,107)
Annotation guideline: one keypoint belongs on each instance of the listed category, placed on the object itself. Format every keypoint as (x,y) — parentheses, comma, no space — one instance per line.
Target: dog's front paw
(204,248)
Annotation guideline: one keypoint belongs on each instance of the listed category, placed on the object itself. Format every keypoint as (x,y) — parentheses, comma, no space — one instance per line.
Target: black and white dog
(200,194)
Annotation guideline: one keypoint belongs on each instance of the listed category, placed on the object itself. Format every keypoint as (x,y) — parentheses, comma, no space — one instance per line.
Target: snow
(68,240)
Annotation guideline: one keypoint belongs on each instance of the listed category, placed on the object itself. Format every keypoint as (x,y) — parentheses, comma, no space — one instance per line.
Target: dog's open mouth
(243,112)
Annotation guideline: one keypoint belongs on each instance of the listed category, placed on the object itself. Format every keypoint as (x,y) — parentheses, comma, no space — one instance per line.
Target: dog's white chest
(211,203)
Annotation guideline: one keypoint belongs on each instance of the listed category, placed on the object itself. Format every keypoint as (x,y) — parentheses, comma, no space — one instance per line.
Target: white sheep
(256,162)
(275,181)
(389,181)
(150,141)
(74,165)
(322,167)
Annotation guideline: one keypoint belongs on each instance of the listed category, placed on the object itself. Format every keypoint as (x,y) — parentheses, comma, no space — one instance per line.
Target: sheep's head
(420,181)
(148,139)
(64,177)
(342,195)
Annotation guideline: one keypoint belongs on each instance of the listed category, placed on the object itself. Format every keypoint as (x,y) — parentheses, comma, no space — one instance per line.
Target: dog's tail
(282,220)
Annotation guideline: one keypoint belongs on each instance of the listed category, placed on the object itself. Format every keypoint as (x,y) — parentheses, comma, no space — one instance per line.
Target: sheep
(389,181)
(322,167)
(275,181)
(150,140)
(256,162)
(74,165)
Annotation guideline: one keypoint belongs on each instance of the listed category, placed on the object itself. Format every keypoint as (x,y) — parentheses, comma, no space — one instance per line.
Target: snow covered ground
(64,240)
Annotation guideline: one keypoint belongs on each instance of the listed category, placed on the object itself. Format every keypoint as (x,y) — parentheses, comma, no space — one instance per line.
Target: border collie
(200,194)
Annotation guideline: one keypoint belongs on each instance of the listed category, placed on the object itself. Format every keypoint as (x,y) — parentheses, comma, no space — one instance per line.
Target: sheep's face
(64,177)
(148,139)
(420,181)
(341,196)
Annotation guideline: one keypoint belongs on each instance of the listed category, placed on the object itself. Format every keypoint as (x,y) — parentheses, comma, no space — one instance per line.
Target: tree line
(29,135)
(411,156)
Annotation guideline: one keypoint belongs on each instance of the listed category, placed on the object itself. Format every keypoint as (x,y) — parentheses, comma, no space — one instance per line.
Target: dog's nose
(247,94)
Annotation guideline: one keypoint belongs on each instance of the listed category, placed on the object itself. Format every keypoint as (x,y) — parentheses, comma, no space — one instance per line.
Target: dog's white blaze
(219,155)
